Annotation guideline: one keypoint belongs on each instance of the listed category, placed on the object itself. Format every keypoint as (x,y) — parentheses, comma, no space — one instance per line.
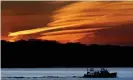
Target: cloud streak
(80,18)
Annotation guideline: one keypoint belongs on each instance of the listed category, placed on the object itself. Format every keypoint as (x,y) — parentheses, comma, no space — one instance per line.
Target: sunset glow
(85,22)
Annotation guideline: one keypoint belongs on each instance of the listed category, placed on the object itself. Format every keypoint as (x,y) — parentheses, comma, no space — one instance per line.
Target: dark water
(64,73)
(67,79)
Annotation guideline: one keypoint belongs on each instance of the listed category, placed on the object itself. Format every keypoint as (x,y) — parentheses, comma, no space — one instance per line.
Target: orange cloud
(72,37)
(71,31)
(80,17)
(92,13)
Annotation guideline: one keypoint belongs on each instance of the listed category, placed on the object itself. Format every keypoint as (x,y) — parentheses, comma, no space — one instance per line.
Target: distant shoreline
(37,53)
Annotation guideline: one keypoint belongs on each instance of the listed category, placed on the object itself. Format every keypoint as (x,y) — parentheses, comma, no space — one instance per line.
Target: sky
(87,22)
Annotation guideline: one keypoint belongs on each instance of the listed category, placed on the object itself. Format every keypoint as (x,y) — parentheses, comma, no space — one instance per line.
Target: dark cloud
(119,35)
(30,7)
(23,15)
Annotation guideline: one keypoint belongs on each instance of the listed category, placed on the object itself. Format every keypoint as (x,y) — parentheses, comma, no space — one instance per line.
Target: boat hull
(111,75)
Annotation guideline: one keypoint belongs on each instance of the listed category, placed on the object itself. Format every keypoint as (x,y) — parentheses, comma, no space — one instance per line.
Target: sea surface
(59,74)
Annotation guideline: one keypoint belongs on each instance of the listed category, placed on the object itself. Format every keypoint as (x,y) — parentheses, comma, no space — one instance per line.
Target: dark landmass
(37,53)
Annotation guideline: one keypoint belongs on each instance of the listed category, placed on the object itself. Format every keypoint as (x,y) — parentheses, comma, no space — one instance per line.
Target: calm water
(123,73)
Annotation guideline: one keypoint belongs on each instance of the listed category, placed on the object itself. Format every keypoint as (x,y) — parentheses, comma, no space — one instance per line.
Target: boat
(103,73)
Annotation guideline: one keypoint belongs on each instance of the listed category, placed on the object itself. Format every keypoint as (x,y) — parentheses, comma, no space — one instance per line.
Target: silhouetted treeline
(38,53)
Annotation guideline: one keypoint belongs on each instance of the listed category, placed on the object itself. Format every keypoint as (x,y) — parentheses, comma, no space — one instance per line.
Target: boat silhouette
(103,73)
